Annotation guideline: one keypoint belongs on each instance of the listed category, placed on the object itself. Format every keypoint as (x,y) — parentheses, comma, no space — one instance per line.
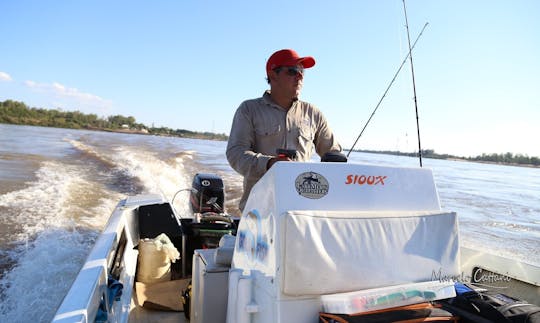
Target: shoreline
(492,162)
(448,157)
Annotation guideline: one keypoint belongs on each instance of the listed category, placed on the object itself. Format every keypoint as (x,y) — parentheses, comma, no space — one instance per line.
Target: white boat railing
(89,290)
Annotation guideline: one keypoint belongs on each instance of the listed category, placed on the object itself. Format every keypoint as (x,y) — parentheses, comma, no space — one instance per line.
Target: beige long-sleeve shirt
(260,127)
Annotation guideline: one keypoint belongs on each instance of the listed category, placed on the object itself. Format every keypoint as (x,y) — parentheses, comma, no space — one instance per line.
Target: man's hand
(273,160)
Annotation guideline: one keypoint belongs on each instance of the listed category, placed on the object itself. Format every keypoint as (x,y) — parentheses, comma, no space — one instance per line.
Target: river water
(59,186)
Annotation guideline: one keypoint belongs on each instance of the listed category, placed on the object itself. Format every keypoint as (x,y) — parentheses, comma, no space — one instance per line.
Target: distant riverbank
(14,112)
(494,163)
(499,159)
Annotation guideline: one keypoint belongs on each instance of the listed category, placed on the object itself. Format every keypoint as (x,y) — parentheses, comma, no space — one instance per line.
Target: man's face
(288,80)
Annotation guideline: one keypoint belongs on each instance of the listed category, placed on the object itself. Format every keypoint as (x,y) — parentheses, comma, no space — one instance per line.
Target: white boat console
(314,229)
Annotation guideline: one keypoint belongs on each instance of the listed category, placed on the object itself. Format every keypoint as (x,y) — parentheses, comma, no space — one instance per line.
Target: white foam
(42,277)
(156,175)
(57,233)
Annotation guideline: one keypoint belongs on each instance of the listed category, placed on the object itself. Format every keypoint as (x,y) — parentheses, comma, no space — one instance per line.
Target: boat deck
(140,314)
(144,315)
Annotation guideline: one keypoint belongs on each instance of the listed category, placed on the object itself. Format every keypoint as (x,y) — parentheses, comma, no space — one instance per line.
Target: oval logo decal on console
(311,185)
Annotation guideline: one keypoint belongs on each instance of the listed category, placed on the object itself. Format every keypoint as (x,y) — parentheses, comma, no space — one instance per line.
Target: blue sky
(189,64)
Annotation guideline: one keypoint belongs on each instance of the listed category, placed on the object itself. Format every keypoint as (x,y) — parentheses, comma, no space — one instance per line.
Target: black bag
(423,312)
(489,307)
(186,299)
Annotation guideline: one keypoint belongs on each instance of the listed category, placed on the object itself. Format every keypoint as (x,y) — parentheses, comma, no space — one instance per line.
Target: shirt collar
(268,100)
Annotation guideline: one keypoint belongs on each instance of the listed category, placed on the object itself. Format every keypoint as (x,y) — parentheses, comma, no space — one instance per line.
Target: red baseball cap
(288,57)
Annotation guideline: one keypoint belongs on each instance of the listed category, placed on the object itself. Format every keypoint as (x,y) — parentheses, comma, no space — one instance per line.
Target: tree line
(14,112)
(506,158)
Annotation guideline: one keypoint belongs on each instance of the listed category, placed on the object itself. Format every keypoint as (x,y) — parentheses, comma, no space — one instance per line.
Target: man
(277,120)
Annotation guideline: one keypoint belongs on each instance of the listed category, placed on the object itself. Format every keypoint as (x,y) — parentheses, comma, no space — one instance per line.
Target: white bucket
(155,256)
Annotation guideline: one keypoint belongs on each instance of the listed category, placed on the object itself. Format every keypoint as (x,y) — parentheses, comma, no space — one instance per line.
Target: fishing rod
(414,85)
(388,88)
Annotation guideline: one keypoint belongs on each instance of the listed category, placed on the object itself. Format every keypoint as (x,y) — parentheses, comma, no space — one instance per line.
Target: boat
(314,237)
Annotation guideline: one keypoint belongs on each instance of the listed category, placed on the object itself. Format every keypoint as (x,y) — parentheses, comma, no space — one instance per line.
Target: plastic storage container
(386,297)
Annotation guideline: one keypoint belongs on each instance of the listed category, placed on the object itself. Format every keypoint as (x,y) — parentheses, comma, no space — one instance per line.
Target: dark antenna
(414,85)
(387,89)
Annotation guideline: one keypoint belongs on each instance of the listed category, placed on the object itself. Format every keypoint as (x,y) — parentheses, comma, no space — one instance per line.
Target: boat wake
(54,222)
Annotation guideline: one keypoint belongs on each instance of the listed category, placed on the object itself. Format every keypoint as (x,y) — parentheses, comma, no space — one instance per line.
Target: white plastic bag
(155,257)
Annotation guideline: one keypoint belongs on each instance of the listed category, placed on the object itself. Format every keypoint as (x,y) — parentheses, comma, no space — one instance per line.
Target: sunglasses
(291,70)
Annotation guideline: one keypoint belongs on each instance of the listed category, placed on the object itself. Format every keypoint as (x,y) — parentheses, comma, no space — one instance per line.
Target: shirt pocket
(267,139)
(268,130)
(305,142)
(306,133)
